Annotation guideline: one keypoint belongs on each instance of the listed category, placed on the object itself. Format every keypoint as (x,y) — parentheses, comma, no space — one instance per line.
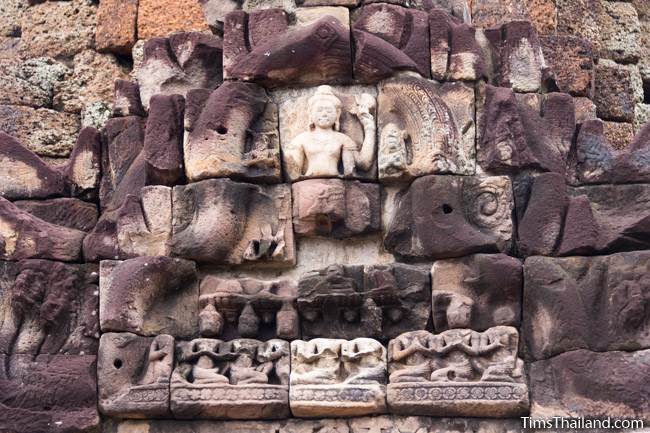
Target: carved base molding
(337,400)
(480,399)
(142,401)
(229,401)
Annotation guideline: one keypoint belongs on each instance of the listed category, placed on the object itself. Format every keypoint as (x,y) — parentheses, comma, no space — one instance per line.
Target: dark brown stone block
(149,296)
(232,133)
(48,394)
(127,99)
(66,212)
(484,287)
(48,307)
(570,385)
(614,92)
(261,46)
(389,38)
(83,170)
(178,63)
(572,61)
(451,216)
(24,175)
(379,301)
(594,303)
(258,228)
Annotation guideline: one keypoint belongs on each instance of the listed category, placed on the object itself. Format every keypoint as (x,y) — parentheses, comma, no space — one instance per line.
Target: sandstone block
(566,385)
(518,132)
(258,229)
(335,208)
(238,379)
(160,18)
(48,307)
(344,117)
(334,377)
(262,46)
(116,26)
(233,133)
(149,296)
(585,109)
(451,216)
(557,320)
(456,49)
(459,372)
(425,128)
(377,301)
(491,13)
(178,63)
(388,39)
(477,292)
(127,99)
(133,375)
(47,393)
(250,308)
(24,175)
(83,168)
(24,236)
(66,212)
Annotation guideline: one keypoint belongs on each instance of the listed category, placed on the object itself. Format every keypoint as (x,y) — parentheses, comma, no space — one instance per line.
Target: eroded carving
(134,374)
(248,308)
(235,134)
(257,230)
(425,128)
(149,296)
(451,216)
(238,379)
(335,208)
(328,132)
(476,292)
(458,372)
(335,377)
(379,301)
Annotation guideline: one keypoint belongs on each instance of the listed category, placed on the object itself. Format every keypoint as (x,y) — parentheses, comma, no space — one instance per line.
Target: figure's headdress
(325,93)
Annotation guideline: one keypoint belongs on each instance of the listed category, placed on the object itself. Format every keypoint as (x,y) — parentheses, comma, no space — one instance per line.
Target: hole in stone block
(646,92)
(447,209)
(222,130)
(117,363)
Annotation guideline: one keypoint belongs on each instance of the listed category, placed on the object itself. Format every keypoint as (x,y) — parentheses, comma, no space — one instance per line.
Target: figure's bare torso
(323,150)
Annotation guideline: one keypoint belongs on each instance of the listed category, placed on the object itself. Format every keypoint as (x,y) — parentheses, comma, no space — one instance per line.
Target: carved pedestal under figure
(331,377)
(238,379)
(133,375)
(459,372)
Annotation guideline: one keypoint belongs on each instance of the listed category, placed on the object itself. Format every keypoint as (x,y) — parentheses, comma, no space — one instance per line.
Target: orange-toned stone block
(161,17)
(116,26)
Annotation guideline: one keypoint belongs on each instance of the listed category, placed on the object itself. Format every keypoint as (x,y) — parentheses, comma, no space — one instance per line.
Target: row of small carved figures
(417,356)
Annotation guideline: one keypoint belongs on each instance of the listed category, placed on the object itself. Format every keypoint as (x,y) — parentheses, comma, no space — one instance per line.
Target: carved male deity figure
(318,362)
(364,361)
(319,151)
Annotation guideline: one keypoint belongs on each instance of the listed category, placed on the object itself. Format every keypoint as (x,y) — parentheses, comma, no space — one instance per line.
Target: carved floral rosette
(459,372)
(229,388)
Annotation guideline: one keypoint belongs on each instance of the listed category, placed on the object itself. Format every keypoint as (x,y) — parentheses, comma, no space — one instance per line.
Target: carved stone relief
(233,132)
(334,377)
(238,379)
(264,47)
(258,228)
(451,216)
(594,303)
(48,307)
(477,292)
(379,301)
(425,128)
(335,208)
(149,296)
(134,374)
(328,132)
(458,372)
(246,307)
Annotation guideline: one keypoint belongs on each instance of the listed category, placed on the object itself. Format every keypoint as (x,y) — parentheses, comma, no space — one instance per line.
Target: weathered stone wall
(323,215)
